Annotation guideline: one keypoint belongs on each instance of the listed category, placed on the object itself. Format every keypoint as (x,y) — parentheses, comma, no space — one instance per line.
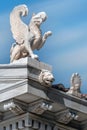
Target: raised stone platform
(16,79)
(25,104)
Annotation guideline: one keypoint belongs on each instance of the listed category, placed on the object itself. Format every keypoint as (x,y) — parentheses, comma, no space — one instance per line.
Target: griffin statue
(27,37)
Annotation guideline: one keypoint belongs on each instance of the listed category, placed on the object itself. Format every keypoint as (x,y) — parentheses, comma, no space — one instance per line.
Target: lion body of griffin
(27,37)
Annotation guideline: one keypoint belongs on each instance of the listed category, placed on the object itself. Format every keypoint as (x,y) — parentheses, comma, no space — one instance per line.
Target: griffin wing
(75,79)
(18,28)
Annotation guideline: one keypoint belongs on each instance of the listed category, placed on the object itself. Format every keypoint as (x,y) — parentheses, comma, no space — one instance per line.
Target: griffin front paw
(34,56)
(49,33)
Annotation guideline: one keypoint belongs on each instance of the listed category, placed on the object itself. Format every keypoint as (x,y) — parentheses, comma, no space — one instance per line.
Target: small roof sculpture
(27,37)
(75,85)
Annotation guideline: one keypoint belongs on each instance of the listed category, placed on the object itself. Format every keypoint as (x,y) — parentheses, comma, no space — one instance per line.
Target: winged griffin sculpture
(27,37)
(75,85)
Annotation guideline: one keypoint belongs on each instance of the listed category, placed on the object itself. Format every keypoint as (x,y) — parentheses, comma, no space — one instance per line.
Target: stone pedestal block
(26,104)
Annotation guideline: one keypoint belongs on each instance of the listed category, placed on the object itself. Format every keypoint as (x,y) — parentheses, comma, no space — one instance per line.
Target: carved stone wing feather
(75,80)
(18,28)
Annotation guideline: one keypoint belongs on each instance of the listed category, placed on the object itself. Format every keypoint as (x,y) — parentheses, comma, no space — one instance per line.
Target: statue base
(27,104)
(16,79)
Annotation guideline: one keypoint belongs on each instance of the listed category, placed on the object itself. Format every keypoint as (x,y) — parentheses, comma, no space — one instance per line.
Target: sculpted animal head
(39,18)
(46,78)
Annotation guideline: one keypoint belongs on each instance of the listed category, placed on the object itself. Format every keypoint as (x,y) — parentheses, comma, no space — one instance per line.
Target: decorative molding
(40,107)
(31,122)
(15,106)
(66,116)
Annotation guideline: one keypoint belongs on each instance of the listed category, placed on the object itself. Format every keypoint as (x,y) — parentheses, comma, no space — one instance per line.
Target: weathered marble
(21,94)
(15,77)
(28,101)
(75,85)
(27,37)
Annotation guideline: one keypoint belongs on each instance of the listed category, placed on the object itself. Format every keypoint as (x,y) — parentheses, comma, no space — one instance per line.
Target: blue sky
(66,49)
